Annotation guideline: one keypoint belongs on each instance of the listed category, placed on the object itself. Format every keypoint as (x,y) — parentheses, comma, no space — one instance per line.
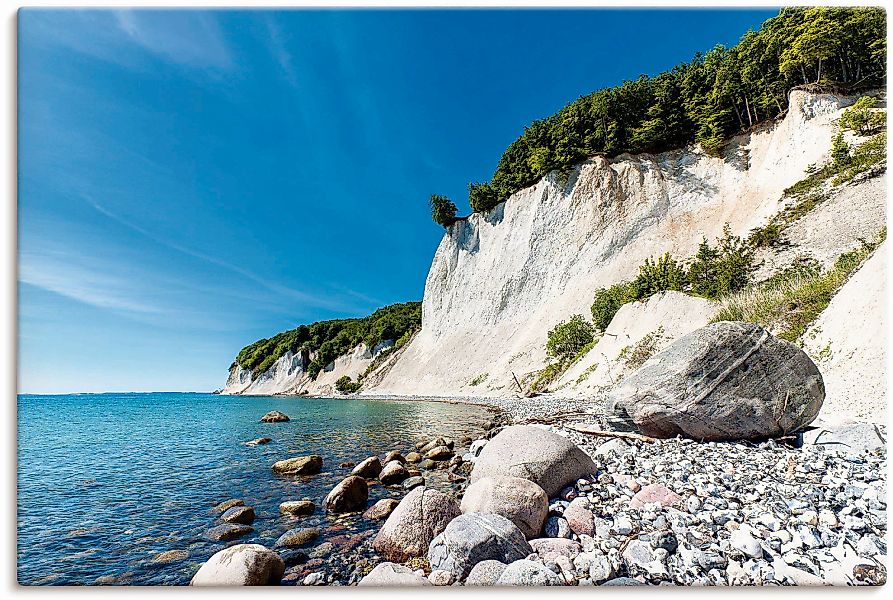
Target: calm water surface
(108,481)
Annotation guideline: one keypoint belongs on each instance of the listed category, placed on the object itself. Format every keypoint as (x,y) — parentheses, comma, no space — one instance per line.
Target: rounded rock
(521,501)
(486,572)
(297,507)
(227,532)
(299,536)
(238,514)
(299,465)
(388,574)
(418,518)
(528,573)
(473,537)
(381,509)
(368,469)
(393,472)
(545,458)
(243,564)
(274,416)
(350,495)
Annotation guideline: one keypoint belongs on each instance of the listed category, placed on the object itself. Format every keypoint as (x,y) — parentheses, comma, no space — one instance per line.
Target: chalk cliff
(500,281)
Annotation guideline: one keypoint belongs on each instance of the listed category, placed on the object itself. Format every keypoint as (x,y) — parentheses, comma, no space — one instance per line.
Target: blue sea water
(108,481)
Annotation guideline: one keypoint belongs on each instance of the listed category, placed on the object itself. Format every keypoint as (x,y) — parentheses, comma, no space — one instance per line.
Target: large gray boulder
(532,453)
(473,537)
(726,381)
(521,501)
(421,515)
(528,573)
(387,574)
(243,564)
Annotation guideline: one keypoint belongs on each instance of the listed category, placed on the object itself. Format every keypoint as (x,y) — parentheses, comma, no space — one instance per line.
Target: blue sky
(190,181)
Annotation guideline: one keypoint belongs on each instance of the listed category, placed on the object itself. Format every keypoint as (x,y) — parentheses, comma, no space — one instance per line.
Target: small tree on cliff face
(443,211)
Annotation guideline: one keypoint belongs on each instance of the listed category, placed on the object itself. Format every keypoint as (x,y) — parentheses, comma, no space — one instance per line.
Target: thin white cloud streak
(59,273)
(280,53)
(183,37)
(281,290)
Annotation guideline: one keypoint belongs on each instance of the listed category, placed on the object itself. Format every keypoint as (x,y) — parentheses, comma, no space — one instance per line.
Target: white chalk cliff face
(500,281)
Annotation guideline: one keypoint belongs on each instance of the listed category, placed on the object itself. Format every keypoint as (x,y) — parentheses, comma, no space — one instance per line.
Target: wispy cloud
(305,298)
(191,38)
(60,272)
(280,52)
(124,37)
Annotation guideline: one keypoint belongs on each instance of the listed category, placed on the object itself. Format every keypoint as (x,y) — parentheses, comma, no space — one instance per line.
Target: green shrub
(715,272)
(862,158)
(482,197)
(346,385)
(664,275)
(608,301)
(443,211)
(569,337)
(861,117)
(840,151)
(766,236)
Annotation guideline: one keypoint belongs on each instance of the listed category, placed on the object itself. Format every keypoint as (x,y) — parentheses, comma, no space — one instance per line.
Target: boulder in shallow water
(258,441)
(521,501)
(348,496)
(238,514)
(413,482)
(545,458)
(726,381)
(171,556)
(228,531)
(381,509)
(413,457)
(299,536)
(393,472)
(297,508)
(421,515)
(473,537)
(368,469)
(528,573)
(438,453)
(299,465)
(274,416)
(388,574)
(393,455)
(228,504)
(243,564)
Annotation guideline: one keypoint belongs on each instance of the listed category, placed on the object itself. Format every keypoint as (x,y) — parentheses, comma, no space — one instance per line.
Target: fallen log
(591,430)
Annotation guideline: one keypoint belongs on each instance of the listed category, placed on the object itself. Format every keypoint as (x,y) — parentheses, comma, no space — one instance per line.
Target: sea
(108,482)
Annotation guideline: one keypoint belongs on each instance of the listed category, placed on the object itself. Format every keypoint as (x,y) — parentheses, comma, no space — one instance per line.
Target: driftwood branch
(591,430)
(550,419)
